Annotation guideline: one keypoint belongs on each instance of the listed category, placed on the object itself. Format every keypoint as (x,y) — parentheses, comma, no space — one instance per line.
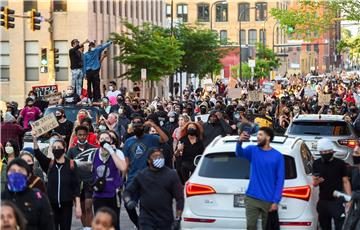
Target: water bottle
(338,194)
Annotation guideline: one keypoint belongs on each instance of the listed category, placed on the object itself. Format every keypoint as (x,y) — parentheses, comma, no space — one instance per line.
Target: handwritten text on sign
(256,96)
(44,124)
(324,99)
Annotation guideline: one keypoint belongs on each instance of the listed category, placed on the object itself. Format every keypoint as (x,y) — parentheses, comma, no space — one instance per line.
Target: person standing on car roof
(330,174)
(65,126)
(267,176)
(76,64)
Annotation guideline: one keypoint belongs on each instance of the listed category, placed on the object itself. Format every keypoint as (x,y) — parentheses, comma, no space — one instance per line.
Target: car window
(307,158)
(322,128)
(227,166)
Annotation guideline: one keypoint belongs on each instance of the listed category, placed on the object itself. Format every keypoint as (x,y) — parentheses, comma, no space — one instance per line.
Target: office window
(137,9)
(126,9)
(29,5)
(168,10)
(261,11)
(107,6)
(161,12)
(223,37)
(131,14)
(148,6)
(62,74)
(157,16)
(316,48)
(4,61)
(120,8)
(152,10)
(244,12)
(60,5)
(262,35)
(142,10)
(31,61)
(252,37)
(203,12)
(114,7)
(243,36)
(308,48)
(182,12)
(94,6)
(101,6)
(221,12)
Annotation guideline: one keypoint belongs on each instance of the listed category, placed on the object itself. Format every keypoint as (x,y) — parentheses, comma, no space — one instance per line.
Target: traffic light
(56,59)
(35,20)
(44,61)
(7,17)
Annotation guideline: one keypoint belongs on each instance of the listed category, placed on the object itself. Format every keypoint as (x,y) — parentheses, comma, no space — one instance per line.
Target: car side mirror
(197,159)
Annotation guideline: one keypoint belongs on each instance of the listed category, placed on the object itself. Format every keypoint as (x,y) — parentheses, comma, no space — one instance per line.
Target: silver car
(313,127)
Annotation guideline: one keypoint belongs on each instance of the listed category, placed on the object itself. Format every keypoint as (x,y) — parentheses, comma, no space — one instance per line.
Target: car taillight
(198,220)
(295,223)
(301,192)
(351,143)
(198,189)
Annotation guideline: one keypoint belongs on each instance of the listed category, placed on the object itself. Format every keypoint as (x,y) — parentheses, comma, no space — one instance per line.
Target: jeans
(93,84)
(254,209)
(77,80)
(328,210)
(62,215)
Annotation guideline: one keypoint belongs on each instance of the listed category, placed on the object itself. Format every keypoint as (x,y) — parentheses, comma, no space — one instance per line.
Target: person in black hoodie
(215,126)
(63,183)
(32,202)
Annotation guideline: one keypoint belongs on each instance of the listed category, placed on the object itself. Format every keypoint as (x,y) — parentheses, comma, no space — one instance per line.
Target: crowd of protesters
(134,141)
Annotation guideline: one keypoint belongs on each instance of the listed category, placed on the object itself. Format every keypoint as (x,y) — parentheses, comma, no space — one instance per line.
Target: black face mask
(356,160)
(58,117)
(135,107)
(120,100)
(138,131)
(203,110)
(58,153)
(102,143)
(327,157)
(192,132)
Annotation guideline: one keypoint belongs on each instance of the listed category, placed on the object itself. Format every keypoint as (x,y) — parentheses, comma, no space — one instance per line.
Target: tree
(147,46)
(350,44)
(202,51)
(266,61)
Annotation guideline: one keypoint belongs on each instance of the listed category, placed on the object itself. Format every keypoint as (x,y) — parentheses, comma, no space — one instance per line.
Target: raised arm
(240,151)
(43,160)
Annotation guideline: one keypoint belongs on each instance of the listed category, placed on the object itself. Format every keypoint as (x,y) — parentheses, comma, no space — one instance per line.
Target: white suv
(214,195)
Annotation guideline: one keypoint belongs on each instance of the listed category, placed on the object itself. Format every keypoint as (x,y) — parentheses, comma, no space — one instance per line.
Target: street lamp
(211,10)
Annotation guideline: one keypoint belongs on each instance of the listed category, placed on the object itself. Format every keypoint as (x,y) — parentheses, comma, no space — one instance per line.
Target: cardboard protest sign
(309,92)
(204,118)
(234,93)
(324,99)
(42,90)
(53,98)
(256,96)
(44,124)
(268,88)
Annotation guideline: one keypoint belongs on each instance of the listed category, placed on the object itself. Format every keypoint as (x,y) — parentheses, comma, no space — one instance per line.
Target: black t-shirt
(75,58)
(71,100)
(191,150)
(333,173)
(65,129)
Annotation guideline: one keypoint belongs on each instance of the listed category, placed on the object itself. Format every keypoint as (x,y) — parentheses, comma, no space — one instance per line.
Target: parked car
(313,127)
(214,195)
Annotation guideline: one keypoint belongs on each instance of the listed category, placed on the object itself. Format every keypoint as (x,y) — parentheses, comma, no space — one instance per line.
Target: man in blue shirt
(267,176)
(136,151)
(91,66)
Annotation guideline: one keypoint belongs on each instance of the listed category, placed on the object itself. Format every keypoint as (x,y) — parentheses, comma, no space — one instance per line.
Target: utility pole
(51,65)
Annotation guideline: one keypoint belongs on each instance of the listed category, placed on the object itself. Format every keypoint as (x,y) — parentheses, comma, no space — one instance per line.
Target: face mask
(31,166)
(82,143)
(203,110)
(111,88)
(17,182)
(139,131)
(192,132)
(52,140)
(120,100)
(172,119)
(327,157)
(58,153)
(58,117)
(91,49)
(356,160)
(33,97)
(9,150)
(81,117)
(135,106)
(69,92)
(102,128)
(158,163)
(120,111)
(102,143)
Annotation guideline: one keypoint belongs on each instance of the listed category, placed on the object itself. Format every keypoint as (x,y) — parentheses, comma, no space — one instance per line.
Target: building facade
(20,48)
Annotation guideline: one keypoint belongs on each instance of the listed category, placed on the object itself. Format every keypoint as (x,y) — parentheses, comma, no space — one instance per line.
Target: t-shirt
(30,114)
(191,150)
(65,129)
(332,172)
(71,100)
(112,96)
(136,149)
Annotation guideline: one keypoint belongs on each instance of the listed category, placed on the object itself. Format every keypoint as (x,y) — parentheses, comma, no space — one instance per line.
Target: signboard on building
(42,90)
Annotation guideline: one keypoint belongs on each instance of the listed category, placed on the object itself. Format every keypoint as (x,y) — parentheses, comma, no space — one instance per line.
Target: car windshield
(322,128)
(227,166)
(71,112)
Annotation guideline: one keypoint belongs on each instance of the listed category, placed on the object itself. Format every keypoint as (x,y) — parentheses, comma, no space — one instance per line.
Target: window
(60,5)
(226,166)
(243,36)
(168,11)
(29,5)
(107,6)
(114,7)
(182,12)
(126,9)
(62,74)
(4,61)
(261,11)
(152,11)
(262,36)
(203,12)
(31,61)
(142,10)
(252,37)
(308,48)
(101,6)
(318,128)
(298,49)
(221,12)
(131,10)
(244,12)
(94,6)
(307,158)
(120,8)
(223,37)
(137,9)
(316,48)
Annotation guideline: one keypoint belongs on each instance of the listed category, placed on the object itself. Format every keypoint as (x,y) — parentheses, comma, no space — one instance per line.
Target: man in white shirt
(112,93)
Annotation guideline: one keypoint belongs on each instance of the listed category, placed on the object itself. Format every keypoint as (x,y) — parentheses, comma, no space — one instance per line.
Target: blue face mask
(158,163)
(17,182)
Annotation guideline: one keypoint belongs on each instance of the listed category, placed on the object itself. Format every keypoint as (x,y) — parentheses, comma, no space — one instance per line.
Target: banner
(256,96)
(309,92)
(44,124)
(324,99)
(43,90)
(53,98)
(234,93)
(268,88)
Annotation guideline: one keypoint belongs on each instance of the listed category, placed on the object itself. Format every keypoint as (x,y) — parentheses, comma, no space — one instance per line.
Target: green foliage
(349,43)
(149,47)
(266,60)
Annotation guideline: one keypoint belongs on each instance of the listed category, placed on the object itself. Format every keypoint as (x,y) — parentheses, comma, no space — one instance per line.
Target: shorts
(86,191)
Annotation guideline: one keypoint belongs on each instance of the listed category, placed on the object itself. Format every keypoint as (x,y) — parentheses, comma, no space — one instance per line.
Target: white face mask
(69,91)
(102,128)
(32,97)
(120,111)
(9,150)
(158,163)
(172,119)
(111,88)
